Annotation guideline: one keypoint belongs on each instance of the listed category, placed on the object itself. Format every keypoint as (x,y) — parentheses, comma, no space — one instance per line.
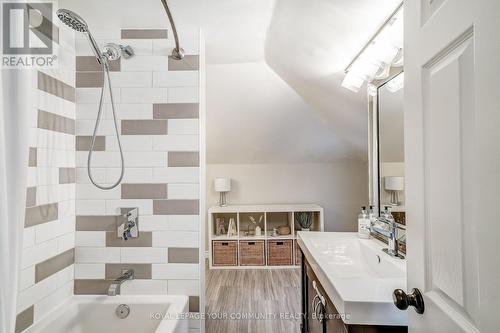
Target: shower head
(75,22)
(72,20)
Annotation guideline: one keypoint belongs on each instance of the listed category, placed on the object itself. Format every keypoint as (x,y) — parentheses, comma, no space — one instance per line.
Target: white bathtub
(96,314)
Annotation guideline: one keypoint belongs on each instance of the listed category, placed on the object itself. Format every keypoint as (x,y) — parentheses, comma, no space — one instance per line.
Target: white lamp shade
(222,184)
(394,183)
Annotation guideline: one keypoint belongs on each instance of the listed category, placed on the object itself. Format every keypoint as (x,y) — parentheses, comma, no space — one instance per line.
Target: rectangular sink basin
(357,275)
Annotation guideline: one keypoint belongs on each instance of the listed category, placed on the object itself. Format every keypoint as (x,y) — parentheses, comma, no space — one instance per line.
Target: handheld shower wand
(111,52)
(74,21)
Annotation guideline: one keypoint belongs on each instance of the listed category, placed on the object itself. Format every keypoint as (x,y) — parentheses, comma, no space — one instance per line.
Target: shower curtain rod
(177,52)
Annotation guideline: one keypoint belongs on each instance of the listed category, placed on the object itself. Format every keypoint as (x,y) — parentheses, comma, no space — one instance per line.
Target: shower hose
(105,74)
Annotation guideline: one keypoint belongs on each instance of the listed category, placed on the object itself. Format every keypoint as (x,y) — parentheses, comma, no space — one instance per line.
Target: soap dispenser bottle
(363,224)
(372,216)
(387,213)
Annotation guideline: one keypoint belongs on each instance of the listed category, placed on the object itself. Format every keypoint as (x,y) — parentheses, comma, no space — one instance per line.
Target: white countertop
(358,283)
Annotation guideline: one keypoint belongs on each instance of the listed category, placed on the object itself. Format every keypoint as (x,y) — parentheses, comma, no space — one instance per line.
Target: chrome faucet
(390,232)
(114,288)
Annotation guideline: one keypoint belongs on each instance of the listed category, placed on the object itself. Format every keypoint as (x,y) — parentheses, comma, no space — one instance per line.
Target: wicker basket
(225,253)
(279,252)
(298,254)
(252,253)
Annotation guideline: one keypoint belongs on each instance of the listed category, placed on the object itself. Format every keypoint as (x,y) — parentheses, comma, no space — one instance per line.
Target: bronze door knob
(403,300)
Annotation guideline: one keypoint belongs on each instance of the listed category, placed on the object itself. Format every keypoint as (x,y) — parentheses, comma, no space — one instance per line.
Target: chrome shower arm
(177,52)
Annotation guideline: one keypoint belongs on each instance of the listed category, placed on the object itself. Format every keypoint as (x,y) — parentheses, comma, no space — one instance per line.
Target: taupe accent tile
(55,87)
(145,239)
(54,122)
(176,207)
(96,223)
(53,265)
(144,127)
(40,214)
(141,271)
(175,110)
(67,175)
(183,255)
(90,64)
(188,63)
(31,196)
(183,159)
(88,79)
(83,143)
(24,319)
(194,303)
(144,191)
(144,33)
(91,286)
(32,160)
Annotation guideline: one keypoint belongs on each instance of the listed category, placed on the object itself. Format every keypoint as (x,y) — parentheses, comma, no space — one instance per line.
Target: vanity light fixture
(383,51)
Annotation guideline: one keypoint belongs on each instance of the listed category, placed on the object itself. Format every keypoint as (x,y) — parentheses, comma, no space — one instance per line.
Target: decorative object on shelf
(217,227)
(222,185)
(231,229)
(220,229)
(284,230)
(275,232)
(258,231)
(394,184)
(255,224)
(304,219)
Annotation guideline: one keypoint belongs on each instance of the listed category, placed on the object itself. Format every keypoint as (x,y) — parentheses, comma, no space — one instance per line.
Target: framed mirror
(391,159)
(386,118)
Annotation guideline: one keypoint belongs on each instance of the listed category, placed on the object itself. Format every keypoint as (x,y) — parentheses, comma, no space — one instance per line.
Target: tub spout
(114,288)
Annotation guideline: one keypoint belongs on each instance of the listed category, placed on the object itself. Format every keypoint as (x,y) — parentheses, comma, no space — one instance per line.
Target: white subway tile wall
(141,84)
(69,244)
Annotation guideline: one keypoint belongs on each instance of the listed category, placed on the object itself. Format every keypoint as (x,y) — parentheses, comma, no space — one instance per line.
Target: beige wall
(340,188)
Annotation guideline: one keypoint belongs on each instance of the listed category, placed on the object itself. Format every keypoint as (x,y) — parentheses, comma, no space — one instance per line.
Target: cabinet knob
(403,300)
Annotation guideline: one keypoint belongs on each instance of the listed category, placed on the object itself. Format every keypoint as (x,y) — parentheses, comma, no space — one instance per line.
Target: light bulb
(352,82)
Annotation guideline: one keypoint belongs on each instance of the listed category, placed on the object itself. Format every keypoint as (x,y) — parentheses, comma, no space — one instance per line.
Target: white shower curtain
(15,103)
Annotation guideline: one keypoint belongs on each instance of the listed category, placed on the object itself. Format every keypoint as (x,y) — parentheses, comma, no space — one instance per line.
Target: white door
(452,146)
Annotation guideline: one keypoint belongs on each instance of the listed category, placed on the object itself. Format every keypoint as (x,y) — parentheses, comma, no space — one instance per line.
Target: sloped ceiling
(253,116)
(281,100)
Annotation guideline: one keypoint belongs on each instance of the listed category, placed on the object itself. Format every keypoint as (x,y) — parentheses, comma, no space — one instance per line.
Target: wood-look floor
(262,291)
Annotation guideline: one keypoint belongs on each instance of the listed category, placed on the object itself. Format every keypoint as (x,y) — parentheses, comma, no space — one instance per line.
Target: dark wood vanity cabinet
(311,323)
(332,321)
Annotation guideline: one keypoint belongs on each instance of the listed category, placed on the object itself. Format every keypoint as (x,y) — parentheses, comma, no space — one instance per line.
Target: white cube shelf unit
(246,250)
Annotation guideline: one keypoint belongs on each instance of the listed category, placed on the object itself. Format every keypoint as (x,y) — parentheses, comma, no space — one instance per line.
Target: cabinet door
(334,323)
(315,326)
